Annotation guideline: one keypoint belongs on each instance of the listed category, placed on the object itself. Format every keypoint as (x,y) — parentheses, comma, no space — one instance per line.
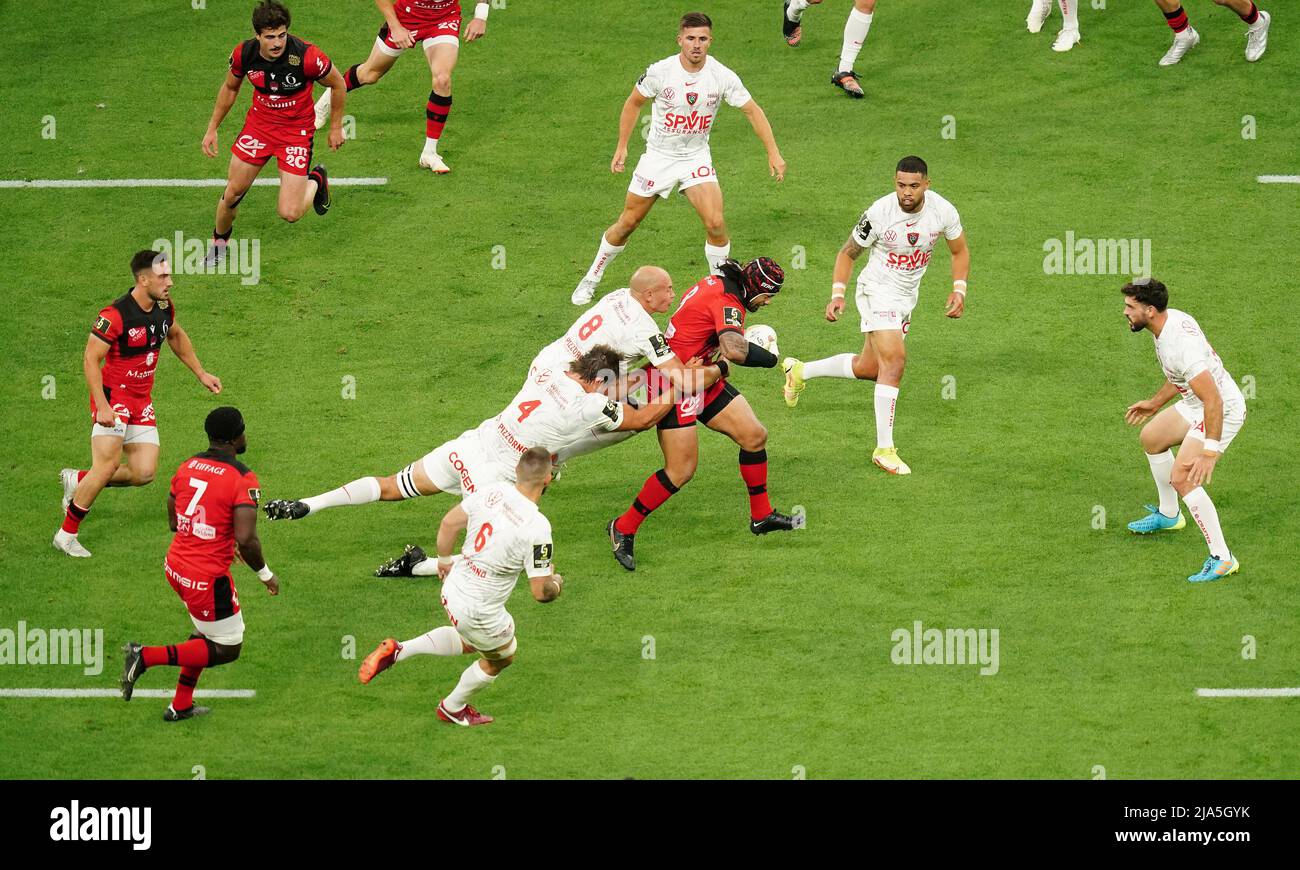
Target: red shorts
(131,410)
(290,146)
(424,28)
(207,598)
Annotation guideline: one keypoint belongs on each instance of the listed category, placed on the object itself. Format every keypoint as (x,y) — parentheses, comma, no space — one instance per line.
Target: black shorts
(715,399)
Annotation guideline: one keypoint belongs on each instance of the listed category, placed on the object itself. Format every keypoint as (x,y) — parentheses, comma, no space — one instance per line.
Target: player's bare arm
(692,376)
(92,361)
(226,96)
(735,349)
(844,260)
(180,343)
(453,523)
(546,589)
(1202,468)
(338,93)
(758,120)
(249,545)
(1140,412)
(638,419)
(477,26)
(960,271)
(400,36)
(171,511)
(626,123)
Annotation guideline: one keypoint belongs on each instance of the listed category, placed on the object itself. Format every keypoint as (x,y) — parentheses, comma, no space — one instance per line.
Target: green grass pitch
(770,656)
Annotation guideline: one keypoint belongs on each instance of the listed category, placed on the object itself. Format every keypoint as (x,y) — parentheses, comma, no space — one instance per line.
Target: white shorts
(227,632)
(483,628)
(657,174)
(130,434)
(881,309)
(461,466)
(1233,416)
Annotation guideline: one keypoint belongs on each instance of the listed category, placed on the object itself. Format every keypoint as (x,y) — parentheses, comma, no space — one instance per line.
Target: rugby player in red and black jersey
(127,340)
(435,25)
(212,508)
(711,320)
(283,70)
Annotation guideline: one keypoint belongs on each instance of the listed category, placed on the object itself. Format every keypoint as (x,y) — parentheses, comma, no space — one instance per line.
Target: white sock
(795,11)
(474,679)
(430,145)
(1162,468)
(427,568)
(442,641)
(838,366)
(363,490)
(715,254)
(1070,12)
(604,257)
(855,33)
(1198,502)
(886,398)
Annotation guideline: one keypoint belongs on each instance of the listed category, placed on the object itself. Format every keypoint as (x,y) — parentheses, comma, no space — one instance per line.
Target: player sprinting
(711,319)
(686,89)
(855,35)
(1186,38)
(435,24)
(900,229)
(1041,10)
(505,533)
(126,340)
(212,507)
(555,407)
(283,70)
(1205,420)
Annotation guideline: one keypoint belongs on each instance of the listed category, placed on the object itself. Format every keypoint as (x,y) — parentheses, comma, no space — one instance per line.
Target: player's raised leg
(791,15)
(612,242)
(239,178)
(855,34)
(192,657)
(681,449)
(411,482)
(850,366)
(891,356)
(1220,562)
(706,198)
(359,75)
(442,55)
(1069,37)
(1165,430)
(441,641)
(739,423)
(1185,36)
(301,192)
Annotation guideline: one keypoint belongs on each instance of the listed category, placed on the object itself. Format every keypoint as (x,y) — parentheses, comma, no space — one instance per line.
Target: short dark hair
(1148,291)
(224,424)
(696,19)
(268,15)
(142,261)
(533,465)
(912,163)
(597,363)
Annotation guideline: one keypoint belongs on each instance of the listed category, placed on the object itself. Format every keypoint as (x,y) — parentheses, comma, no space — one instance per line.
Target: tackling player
(212,508)
(855,34)
(435,24)
(686,89)
(711,319)
(900,229)
(1208,415)
(1041,10)
(126,341)
(283,70)
(505,533)
(1186,37)
(554,408)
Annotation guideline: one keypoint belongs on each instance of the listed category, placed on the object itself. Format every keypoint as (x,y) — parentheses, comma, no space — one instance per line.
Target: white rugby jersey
(901,243)
(551,411)
(685,103)
(618,321)
(506,534)
(1184,352)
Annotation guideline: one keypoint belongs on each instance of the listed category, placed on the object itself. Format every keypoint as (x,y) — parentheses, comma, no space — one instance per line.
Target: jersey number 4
(526,408)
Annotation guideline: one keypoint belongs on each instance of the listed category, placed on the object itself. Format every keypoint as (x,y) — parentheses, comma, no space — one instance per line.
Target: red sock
(435,113)
(350,79)
(656,490)
(753,469)
(81,475)
(184,697)
(191,654)
(72,519)
(1252,16)
(1177,20)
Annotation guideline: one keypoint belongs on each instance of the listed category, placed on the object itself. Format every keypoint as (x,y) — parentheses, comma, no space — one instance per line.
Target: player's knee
(627,222)
(755,439)
(388,489)
(142,476)
(496,666)
(716,226)
(1150,441)
(222,654)
(864,368)
(680,473)
(442,83)
(369,76)
(291,213)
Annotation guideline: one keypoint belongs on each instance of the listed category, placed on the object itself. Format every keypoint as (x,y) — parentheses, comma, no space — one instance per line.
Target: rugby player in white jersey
(1041,10)
(900,229)
(855,34)
(505,533)
(687,89)
(1208,415)
(555,407)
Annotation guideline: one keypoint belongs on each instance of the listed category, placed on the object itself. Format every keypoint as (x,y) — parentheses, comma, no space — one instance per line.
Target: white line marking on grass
(1248,693)
(1278,179)
(166,182)
(114,693)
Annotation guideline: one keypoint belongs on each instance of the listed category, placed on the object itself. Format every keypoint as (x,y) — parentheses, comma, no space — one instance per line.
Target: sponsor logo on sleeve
(863,228)
(610,410)
(659,345)
(732,316)
(255,494)
(541,555)
(102,324)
